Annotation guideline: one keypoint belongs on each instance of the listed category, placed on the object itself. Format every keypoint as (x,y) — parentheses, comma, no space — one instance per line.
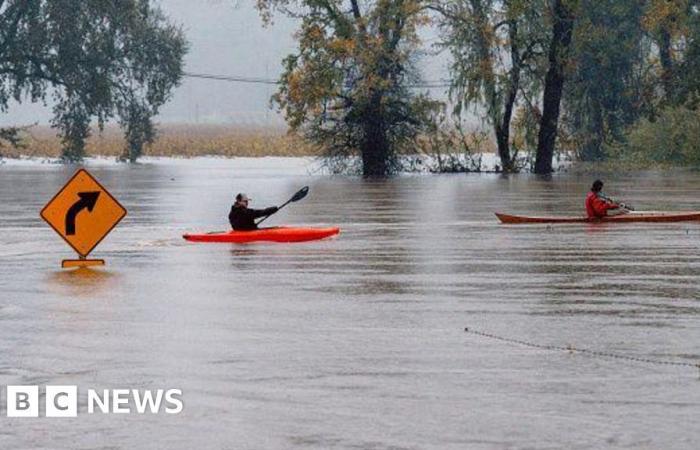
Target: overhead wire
(433,84)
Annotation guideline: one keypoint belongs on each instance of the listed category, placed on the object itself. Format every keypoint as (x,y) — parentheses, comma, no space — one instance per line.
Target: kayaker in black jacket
(243,218)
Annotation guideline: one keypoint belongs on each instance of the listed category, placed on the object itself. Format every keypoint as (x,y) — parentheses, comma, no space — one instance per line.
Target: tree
(667,22)
(12,137)
(608,82)
(347,86)
(496,47)
(96,59)
(562,19)
(674,28)
(688,88)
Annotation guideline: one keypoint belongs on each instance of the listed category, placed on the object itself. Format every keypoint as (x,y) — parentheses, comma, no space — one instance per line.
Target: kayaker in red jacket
(597,205)
(243,218)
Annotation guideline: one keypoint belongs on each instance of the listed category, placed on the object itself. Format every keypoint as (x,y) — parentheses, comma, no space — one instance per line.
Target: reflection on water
(358,342)
(244,250)
(82,282)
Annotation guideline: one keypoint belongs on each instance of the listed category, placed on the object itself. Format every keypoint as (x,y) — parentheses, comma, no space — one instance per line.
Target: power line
(256,80)
(431,85)
(230,78)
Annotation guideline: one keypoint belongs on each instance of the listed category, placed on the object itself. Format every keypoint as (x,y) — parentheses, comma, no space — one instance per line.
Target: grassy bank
(176,140)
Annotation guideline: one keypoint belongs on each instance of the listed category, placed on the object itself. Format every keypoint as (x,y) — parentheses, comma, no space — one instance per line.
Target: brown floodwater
(357,342)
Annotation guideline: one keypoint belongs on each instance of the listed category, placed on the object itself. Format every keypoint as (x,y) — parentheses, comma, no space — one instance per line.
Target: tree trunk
(563,24)
(666,63)
(503,131)
(503,128)
(374,147)
(374,157)
(593,145)
(502,138)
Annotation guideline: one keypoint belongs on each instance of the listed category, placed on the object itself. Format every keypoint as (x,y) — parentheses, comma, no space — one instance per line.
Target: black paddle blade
(299,195)
(295,198)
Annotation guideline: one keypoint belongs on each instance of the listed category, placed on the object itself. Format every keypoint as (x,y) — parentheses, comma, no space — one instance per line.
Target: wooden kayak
(635,216)
(274,234)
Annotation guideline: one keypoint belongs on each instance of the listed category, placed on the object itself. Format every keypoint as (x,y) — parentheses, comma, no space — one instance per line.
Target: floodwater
(357,342)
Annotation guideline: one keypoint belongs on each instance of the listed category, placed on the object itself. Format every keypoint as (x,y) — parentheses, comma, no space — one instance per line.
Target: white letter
(61,401)
(22,401)
(176,402)
(120,397)
(94,399)
(147,400)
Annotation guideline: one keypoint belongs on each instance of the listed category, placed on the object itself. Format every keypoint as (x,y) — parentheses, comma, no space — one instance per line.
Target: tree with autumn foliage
(578,76)
(497,50)
(346,88)
(667,23)
(633,70)
(667,131)
(608,81)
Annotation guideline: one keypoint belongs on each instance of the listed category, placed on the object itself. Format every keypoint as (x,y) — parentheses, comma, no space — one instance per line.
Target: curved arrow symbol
(87,200)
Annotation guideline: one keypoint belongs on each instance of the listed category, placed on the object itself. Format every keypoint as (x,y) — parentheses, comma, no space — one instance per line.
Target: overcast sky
(226,38)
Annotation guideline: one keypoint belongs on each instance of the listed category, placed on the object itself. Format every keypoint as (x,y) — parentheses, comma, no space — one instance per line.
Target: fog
(226,38)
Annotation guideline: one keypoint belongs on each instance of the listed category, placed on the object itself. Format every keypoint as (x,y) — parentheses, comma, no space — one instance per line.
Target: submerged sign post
(83,213)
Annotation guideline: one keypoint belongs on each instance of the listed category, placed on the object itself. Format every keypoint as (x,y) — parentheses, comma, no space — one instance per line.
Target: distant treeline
(596,79)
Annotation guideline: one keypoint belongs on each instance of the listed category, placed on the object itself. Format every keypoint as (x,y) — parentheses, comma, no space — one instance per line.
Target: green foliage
(138,129)
(684,72)
(607,83)
(628,60)
(673,138)
(628,69)
(346,86)
(497,50)
(12,137)
(97,59)
(634,77)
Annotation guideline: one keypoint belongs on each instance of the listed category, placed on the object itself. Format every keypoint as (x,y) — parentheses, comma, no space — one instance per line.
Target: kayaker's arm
(615,202)
(257,213)
(610,203)
(601,205)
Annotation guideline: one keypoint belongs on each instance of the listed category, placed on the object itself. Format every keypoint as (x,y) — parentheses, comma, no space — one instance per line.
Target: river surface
(356,342)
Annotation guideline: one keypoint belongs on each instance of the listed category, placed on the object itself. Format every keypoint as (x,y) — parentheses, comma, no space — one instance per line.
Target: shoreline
(109,160)
(315,163)
(185,140)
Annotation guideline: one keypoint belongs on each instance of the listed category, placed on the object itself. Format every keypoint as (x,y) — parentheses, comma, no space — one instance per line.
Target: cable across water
(585,351)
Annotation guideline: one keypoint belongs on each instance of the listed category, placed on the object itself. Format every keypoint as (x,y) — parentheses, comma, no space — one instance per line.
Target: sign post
(83,212)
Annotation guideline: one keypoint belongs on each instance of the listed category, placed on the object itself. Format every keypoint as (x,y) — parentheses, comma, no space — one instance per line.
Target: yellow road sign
(83,212)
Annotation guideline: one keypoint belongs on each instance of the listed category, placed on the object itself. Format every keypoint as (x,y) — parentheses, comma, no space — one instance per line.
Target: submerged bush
(672,138)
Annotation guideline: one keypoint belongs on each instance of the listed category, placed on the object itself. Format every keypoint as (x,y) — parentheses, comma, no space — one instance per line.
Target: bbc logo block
(62,401)
(22,401)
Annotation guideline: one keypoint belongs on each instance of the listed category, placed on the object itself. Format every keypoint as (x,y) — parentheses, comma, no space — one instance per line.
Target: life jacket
(596,207)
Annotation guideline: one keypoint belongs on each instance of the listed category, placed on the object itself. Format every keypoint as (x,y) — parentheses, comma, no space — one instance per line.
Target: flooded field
(357,342)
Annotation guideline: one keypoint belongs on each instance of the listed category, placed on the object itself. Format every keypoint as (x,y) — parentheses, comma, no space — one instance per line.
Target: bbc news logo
(62,401)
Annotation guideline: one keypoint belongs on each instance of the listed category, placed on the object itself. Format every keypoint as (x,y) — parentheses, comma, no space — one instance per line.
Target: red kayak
(641,216)
(275,234)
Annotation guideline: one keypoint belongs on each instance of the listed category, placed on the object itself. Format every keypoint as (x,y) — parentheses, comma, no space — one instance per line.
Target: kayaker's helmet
(597,186)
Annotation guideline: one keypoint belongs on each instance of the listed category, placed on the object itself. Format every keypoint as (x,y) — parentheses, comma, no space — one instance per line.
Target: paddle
(301,193)
(622,205)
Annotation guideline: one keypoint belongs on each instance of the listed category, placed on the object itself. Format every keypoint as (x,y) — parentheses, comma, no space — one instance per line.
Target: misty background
(227,38)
